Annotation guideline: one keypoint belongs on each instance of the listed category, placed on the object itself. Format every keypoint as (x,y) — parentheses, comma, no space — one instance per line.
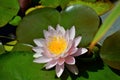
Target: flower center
(57,45)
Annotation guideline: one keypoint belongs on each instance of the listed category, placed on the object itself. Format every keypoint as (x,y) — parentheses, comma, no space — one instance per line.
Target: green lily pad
(8,9)
(22,47)
(82,17)
(100,75)
(90,0)
(100,7)
(20,66)
(54,3)
(110,50)
(34,24)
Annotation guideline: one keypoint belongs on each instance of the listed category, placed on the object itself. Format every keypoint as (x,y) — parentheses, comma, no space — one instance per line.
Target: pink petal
(84,50)
(72,50)
(47,53)
(61,61)
(50,28)
(46,34)
(77,41)
(59,70)
(51,64)
(72,33)
(80,52)
(37,55)
(60,29)
(39,42)
(42,59)
(37,49)
(70,60)
(73,69)
(67,50)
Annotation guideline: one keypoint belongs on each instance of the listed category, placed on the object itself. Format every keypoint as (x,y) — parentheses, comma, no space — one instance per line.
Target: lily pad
(8,9)
(20,66)
(54,3)
(99,6)
(22,47)
(100,75)
(82,17)
(110,50)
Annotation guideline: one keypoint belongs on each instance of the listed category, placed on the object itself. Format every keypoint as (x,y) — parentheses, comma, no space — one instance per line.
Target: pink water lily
(58,49)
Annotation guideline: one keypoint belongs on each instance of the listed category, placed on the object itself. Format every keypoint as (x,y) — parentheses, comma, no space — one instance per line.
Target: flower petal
(67,50)
(61,61)
(60,29)
(46,34)
(37,55)
(73,69)
(37,49)
(47,53)
(84,50)
(80,51)
(42,59)
(51,64)
(50,28)
(77,41)
(39,42)
(72,33)
(72,50)
(70,60)
(67,35)
(59,70)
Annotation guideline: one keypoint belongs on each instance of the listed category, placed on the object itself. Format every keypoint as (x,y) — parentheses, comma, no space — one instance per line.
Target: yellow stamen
(57,45)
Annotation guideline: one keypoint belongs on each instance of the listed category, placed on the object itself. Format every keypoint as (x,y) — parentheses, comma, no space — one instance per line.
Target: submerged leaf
(110,51)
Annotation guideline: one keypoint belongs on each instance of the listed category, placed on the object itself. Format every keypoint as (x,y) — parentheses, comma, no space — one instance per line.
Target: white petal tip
(72,33)
(84,50)
(37,55)
(76,73)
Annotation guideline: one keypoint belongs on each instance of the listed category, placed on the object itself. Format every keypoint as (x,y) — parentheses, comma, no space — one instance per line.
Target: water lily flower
(58,49)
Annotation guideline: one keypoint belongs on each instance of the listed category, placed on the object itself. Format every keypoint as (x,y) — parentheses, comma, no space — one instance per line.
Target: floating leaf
(10,45)
(8,9)
(15,21)
(34,24)
(20,66)
(90,0)
(100,7)
(22,47)
(50,3)
(100,75)
(83,18)
(54,3)
(110,50)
